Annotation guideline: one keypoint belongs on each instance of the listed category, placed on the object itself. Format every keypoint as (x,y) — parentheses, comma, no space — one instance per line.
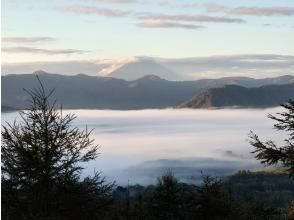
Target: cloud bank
(250,65)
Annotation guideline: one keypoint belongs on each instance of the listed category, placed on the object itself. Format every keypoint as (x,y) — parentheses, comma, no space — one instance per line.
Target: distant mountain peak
(139,67)
(112,65)
(150,78)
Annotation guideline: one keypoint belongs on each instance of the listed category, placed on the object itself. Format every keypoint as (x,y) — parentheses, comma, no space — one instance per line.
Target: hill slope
(232,95)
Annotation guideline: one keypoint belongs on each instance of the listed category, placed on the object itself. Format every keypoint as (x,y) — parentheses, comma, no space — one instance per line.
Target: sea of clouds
(137,146)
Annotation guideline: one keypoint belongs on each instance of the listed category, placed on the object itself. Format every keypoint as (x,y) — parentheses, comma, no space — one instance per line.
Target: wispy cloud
(167,24)
(190,18)
(169,18)
(251,11)
(83,9)
(27,39)
(269,11)
(34,50)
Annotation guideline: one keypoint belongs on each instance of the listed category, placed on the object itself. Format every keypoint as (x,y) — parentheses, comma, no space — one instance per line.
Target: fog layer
(137,146)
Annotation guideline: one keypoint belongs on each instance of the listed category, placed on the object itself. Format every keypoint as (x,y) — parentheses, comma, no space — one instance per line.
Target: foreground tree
(41,165)
(268,152)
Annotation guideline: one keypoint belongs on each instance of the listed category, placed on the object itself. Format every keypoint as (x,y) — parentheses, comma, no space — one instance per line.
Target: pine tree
(166,202)
(210,201)
(42,158)
(268,152)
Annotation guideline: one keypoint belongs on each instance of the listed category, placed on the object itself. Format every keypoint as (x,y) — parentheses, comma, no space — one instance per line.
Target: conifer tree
(166,198)
(271,154)
(42,157)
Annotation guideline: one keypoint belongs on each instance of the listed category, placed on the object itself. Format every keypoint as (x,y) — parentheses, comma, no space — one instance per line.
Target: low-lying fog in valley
(137,146)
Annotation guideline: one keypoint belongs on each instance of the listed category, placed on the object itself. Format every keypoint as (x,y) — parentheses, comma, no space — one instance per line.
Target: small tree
(166,202)
(42,158)
(268,152)
(210,201)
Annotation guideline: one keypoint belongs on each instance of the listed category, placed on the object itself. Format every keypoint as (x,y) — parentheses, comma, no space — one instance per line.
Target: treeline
(245,195)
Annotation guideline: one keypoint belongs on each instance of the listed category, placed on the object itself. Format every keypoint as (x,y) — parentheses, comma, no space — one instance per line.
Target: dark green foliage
(261,194)
(268,152)
(41,166)
(210,196)
(277,190)
(87,199)
(243,196)
(166,201)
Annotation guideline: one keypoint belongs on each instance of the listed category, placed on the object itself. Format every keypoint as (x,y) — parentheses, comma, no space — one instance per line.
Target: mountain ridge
(95,92)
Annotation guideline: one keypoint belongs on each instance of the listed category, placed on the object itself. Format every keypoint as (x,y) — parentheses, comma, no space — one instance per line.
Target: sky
(91,31)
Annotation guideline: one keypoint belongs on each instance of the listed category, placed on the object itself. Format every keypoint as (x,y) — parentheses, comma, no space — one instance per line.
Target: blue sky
(63,30)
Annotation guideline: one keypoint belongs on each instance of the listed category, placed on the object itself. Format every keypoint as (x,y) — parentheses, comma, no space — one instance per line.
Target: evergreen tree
(268,152)
(210,201)
(42,158)
(166,202)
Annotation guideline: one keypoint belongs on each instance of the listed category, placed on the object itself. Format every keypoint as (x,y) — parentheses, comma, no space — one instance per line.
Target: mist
(137,146)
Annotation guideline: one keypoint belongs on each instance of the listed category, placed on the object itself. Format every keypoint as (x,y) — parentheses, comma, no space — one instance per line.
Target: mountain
(91,92)
(140,67)
(232,95)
